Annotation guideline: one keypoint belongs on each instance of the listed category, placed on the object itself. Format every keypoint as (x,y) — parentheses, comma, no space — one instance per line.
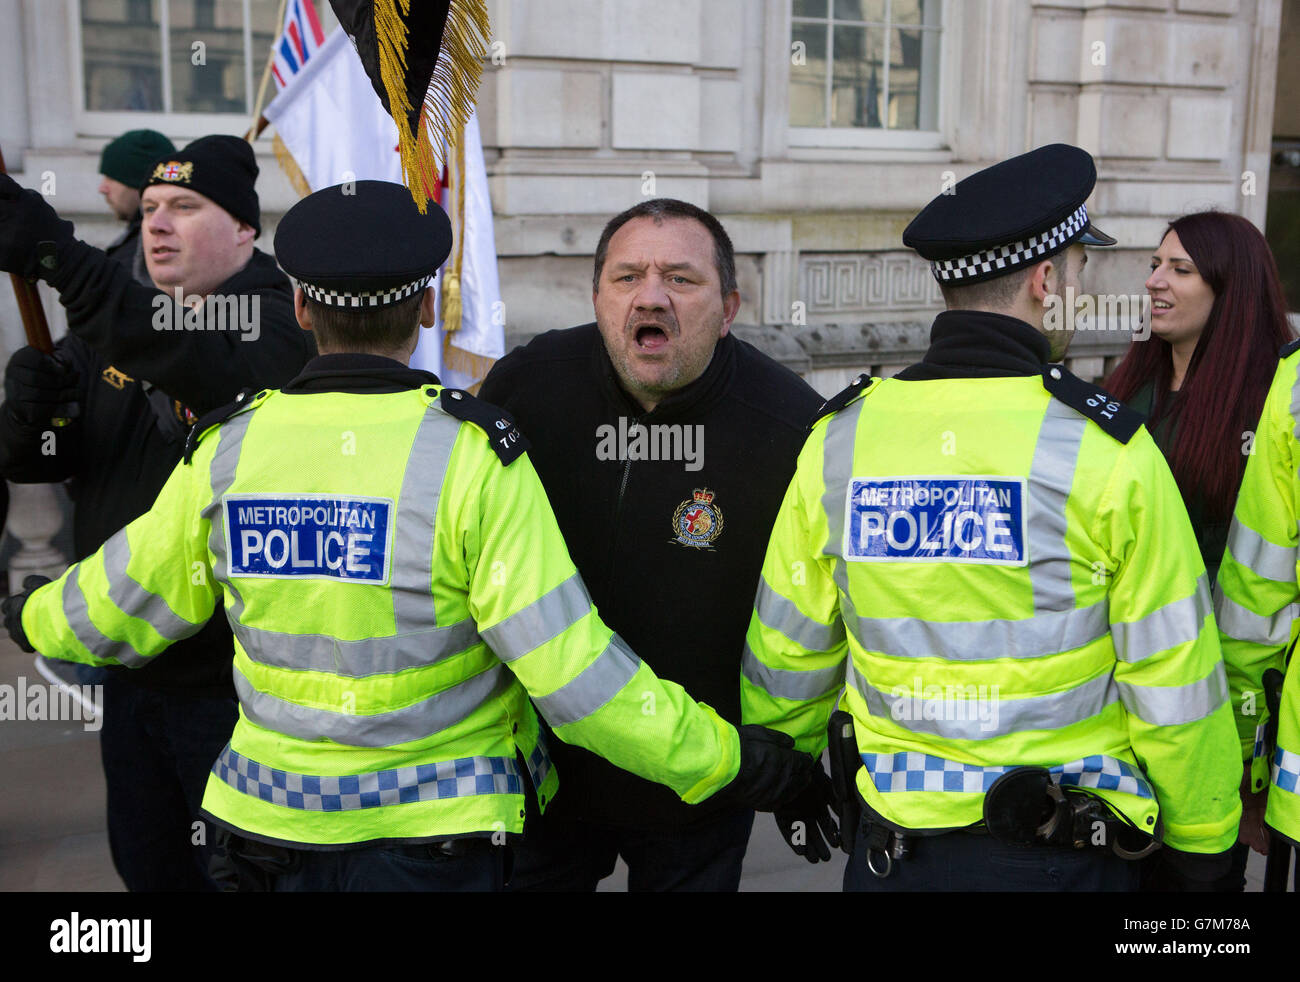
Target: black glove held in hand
(39,387)
(806,822)
(26,222)
(12,607)
(771,770)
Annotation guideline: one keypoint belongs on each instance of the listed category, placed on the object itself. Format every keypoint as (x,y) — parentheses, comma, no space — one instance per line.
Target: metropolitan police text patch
(965,519)
(312,536)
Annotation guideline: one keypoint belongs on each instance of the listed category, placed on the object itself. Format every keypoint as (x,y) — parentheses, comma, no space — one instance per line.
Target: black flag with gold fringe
(425,59)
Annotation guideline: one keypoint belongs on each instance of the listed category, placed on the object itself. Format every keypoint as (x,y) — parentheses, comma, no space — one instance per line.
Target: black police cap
(362,245)
(1008,216)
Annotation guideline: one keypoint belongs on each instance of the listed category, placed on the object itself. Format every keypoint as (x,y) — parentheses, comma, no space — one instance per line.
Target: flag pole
(259,122)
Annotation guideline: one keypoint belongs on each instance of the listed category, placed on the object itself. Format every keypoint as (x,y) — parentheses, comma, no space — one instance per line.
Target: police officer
(398,589)
(1257,623)
(989,557)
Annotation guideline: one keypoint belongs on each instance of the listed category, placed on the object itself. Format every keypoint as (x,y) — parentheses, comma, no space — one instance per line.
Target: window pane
(873,10)
(859,77)
(808,80)
(121,55)
(904,80)
(207,56)
(266,29)
(811,8)
(908,11)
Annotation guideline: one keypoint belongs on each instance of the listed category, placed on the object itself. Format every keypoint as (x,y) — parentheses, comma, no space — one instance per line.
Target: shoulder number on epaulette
(1092,401)
(245,400)
(841,399)
(499,425)
(1289,349)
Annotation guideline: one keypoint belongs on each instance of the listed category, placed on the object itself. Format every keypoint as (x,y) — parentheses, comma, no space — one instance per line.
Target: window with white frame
(181,56)
(863,65)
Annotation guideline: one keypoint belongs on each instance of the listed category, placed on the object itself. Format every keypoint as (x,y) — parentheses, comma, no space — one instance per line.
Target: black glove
(31,232)
(1193,872)
(771,770)
(39,387)
(806,822)
(12,606)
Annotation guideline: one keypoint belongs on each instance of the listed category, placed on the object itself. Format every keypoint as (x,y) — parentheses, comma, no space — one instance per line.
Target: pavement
(53,835)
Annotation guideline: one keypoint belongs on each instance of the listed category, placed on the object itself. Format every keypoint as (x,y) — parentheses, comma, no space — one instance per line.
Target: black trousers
(968,862)
(458,866)
(573,857)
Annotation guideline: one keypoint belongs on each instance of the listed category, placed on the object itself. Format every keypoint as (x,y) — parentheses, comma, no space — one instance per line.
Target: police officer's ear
(1045,278)
(300,311)
(428,308)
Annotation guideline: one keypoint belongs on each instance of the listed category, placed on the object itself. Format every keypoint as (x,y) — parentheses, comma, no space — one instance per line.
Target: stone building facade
(814,128)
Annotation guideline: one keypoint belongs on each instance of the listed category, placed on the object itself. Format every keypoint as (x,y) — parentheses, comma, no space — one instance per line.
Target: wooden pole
(259,121)
(30,310)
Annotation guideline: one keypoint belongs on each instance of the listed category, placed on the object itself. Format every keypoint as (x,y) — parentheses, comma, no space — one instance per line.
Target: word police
(659,441)
(957,519)
(315,537)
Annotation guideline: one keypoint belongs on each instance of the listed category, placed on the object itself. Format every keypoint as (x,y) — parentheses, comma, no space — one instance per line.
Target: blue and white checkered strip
(1259,750)
(349,792)
(362,298)
(1286,770)
(539,762)
(1013,255)
(912,771)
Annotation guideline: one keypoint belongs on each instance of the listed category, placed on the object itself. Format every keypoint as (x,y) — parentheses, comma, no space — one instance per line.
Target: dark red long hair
(1233,364)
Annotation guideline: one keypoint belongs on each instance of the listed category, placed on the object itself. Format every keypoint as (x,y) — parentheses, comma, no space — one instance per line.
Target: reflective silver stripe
(1262,557)
(597,684)
(1174,704)
(417,510)
(1048,633)
(1173,624)
(355,659)
(545,618)
(78,615)
(784,616)
(1051,475)
(790,684)
(985,719)
(374,789)
(221,475)
(837,469)
(1236,622)
(415,722)
(133,599)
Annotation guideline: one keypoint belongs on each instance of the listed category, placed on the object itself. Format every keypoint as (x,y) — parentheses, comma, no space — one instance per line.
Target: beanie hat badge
(174,171)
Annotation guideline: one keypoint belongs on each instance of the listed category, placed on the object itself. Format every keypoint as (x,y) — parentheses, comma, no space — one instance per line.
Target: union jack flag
(299,39)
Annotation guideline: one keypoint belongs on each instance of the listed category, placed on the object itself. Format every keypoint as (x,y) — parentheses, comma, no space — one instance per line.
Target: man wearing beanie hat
(1000,588)
(109,411)
(124,166)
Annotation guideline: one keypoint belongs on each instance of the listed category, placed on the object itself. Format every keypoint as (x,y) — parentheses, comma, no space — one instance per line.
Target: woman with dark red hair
(1218,319)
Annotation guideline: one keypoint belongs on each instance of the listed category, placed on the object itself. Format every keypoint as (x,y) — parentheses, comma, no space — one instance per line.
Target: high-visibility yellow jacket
(397,594)
(994,580)
(1257,599)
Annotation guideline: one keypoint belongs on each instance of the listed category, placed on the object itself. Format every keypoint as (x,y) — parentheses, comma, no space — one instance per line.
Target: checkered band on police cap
(1009,257)
(369,300)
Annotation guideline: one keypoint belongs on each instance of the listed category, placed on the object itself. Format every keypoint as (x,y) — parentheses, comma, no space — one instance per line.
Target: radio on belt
(309,536)
(940,518)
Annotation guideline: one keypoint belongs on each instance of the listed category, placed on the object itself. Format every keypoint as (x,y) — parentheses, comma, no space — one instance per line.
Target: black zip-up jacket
(683,608)
(121,448)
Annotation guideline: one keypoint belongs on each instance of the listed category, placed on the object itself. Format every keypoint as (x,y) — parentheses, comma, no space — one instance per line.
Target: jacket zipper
(618,504)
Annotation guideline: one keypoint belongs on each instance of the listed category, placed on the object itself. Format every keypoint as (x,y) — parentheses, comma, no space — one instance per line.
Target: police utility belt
(1023,807)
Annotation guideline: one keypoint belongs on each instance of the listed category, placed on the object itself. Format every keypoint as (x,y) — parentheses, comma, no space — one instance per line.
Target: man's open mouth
(651,338)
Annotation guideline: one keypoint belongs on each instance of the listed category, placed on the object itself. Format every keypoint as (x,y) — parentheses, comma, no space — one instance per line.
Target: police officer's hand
(806,822)
(1195,872)
(771,770)
(39,387)
(12,607)
(31,232)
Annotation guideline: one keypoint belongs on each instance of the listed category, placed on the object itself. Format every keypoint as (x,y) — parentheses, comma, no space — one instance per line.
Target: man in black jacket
(665,445)
(109,411)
